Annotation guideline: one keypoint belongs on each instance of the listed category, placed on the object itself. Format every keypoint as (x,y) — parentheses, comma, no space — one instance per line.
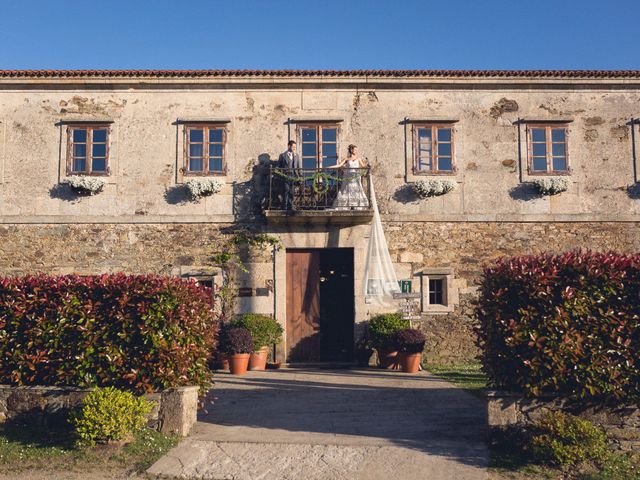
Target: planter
(258,360)
(388,359)
(239,363)
(410,362)
(224,362)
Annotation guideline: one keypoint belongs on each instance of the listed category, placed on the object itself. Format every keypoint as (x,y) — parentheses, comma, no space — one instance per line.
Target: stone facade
(142,222)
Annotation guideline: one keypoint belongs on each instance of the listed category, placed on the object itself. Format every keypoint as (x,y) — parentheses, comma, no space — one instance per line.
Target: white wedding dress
(350,191)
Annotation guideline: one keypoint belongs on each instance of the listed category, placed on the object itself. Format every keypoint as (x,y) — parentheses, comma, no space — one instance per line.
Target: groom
(289,161)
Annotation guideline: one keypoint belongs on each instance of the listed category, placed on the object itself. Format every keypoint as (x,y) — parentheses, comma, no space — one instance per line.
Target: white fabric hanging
(380,281)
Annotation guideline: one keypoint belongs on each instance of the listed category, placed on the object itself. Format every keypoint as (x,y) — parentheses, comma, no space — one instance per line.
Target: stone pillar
(178,410)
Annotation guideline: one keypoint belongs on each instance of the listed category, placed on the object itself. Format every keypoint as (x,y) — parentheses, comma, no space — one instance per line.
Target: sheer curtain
(380,281)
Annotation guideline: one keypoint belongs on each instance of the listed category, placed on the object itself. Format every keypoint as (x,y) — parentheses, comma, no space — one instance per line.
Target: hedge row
(140,333)
(566,324)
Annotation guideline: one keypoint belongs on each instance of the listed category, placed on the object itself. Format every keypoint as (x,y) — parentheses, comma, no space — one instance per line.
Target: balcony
(319,196)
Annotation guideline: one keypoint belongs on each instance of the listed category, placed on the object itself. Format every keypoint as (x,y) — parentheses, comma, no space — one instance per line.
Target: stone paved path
(333,424)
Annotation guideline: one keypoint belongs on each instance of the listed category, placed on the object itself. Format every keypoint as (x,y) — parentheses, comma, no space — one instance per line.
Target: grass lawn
(51,450)
(467,375)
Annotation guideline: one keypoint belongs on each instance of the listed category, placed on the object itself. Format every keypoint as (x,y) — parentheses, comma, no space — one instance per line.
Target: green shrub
(565,440)
(566,324)
(382,329)
(109,415)
(265,330)
(136,332)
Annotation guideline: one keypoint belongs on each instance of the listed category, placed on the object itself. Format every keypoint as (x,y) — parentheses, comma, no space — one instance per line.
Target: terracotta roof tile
(321,73)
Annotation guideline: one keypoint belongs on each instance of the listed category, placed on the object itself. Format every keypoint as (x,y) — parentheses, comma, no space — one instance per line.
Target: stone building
(146,133)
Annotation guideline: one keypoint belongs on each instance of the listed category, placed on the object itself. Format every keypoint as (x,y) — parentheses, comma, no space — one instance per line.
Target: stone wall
(185,248)
(174,411)
(622,424)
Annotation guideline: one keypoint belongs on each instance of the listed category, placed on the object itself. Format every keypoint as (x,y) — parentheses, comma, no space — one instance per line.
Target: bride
(350,191)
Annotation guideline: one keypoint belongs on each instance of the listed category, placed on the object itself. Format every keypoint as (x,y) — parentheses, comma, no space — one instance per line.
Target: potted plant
(84,185)
(382,329)
(410,342)
(265,331)
(433,187)
(363,350)
(237,344)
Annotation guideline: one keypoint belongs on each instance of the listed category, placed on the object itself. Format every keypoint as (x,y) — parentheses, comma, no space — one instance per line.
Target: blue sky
(314,34)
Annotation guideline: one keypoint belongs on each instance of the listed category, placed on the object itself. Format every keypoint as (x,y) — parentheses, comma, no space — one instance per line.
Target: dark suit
(291,167)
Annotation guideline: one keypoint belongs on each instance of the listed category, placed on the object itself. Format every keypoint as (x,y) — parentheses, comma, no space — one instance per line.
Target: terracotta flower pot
(238,363)
(388,359)
(410,362)
(258,360)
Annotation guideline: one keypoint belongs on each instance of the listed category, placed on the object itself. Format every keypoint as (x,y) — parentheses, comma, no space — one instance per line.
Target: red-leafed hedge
(137,332)
(566,324)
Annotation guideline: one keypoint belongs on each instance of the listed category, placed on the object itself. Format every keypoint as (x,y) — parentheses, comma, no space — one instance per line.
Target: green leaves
(97,330)
(109,415)
(566,324)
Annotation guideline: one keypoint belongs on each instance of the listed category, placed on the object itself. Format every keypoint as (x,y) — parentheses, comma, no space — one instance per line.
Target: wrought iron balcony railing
(319,189)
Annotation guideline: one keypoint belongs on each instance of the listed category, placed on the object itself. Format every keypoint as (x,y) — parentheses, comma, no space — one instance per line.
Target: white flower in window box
(203,187)
(551,186)
(84,185)
(433,187)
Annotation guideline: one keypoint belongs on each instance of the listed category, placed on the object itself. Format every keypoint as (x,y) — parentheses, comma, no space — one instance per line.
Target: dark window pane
(539,164)
(329,150)
(539,149)
(436,292)
(444,134)
(99,165)
(79,164)
(99,150)
(558,149)
(560,164)
(195,135)
(308,163)
(215,135)
(424,134)
(195,150)
(80,150)
(329,161)
(100,135)
(215,164)
(557,135)
(215,149)
(308,134)
(538,135)
(195,164)
(445,163)
(309,150)
(444,149)
(329,134)
(79,135)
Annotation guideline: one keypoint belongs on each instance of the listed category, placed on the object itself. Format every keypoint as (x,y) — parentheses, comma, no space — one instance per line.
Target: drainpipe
(273,255)
(632,124)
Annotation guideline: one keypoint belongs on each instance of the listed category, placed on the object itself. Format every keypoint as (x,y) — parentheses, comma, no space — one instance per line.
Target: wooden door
(303,305)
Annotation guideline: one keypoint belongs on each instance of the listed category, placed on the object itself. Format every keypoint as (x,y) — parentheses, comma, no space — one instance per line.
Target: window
(433,149)
(205,150)
(318,145)
(436,291)
(88,150)
(547,145)
(439,290)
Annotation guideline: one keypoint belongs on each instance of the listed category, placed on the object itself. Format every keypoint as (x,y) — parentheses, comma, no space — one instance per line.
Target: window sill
(563,173)
(437,309)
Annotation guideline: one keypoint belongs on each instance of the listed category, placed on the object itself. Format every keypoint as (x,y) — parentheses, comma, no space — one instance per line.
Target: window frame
(434,148)
(205,150)
(549,127)
(88,171)
(318,128)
